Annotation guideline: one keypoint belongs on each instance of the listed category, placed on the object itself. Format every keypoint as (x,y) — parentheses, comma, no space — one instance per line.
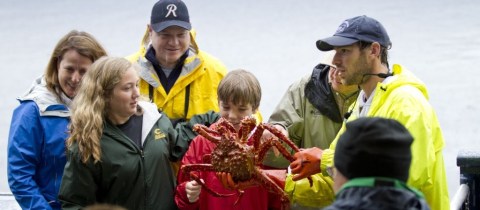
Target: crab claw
(240,194)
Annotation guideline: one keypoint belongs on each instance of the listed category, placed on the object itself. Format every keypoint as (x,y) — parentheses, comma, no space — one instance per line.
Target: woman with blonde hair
(120,146)
(36,142)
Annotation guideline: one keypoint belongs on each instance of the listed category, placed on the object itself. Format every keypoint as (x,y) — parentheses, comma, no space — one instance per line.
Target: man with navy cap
(175,74)
(361,44)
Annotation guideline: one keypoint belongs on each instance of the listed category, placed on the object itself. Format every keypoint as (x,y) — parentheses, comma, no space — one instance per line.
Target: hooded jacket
(199,78)
(377,198)
(36,147)
(127,175)
(309,111)
(405,99)
(311,115)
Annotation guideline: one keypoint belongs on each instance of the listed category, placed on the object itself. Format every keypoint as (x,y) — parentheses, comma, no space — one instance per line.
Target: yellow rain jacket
(319,195)
(201,71)
(405,99)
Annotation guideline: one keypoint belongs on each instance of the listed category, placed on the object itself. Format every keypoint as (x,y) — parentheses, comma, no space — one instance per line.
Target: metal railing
(459,198)
(467,196)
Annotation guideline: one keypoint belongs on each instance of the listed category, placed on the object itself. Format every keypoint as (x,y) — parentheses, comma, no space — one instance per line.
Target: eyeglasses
(331,171)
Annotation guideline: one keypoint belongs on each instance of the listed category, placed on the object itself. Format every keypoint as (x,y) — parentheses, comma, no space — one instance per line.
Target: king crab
(241,155)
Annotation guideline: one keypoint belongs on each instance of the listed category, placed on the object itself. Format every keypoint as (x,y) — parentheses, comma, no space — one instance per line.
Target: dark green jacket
(127,175)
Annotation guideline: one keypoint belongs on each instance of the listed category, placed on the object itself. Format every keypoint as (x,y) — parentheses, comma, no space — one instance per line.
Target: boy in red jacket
(239,95)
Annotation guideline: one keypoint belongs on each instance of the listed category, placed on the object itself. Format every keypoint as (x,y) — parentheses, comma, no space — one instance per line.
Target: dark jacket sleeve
(184,133)
(185,129)
(78,188)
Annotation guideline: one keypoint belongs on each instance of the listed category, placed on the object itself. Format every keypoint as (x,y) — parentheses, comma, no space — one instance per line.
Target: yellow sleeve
(320,194)
(258,116)
(410,107)
(327,159)
(327,155)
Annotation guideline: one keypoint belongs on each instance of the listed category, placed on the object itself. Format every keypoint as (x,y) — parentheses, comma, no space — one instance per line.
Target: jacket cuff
(327,161)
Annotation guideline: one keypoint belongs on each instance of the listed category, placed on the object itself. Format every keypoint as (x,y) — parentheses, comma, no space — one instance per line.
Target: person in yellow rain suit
(361,45)
(175,74)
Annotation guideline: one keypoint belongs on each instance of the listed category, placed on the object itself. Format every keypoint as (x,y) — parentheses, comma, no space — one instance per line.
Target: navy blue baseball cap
(166,13)
(360,28)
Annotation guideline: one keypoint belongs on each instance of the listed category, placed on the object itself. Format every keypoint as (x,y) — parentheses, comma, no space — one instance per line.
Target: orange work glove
(306,163)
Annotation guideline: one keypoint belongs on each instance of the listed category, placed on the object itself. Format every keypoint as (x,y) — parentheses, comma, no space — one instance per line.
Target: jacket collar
(49,103)
(320,94)
(379,182)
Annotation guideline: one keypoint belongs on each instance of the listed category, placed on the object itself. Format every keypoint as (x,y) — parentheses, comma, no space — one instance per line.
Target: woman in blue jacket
(36,143)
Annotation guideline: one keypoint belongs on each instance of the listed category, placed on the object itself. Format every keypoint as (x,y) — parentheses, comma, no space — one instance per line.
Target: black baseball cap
(166,13)
(360,28)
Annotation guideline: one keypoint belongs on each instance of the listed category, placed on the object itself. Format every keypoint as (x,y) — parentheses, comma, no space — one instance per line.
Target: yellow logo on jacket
(158,134)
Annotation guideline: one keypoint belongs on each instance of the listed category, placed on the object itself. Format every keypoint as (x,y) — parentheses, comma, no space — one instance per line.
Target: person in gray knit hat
(371,165)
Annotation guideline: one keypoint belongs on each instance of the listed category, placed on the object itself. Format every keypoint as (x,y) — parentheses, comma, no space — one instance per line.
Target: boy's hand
(193,189)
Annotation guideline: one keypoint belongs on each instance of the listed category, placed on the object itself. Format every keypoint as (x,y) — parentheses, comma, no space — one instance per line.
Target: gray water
(438,40)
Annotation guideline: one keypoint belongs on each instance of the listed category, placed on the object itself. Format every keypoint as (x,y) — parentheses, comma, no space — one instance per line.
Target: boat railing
(467,196)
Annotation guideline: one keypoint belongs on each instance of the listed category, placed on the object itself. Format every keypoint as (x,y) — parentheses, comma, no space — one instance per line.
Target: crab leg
(208,189)
(273,142)
(223,123)
(256,136)
(262,151)
(270,185)
(248,123)
(282,137)
(208,133)
(190,168)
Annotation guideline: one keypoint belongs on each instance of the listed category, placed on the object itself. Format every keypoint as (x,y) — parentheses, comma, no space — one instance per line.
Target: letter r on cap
(171,10)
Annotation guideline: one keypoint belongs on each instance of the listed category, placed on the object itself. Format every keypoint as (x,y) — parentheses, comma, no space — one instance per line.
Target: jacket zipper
(144,177)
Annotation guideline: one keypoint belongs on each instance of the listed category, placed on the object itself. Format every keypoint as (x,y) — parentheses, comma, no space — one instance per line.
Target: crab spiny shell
(232,157)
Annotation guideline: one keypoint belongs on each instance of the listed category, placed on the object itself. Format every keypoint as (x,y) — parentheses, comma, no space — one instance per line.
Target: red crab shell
(241,154)
(234,158)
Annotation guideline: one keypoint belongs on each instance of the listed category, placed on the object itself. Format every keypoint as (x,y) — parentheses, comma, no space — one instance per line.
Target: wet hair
(240,87)
(383,51)
(90,106)
(82,42)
